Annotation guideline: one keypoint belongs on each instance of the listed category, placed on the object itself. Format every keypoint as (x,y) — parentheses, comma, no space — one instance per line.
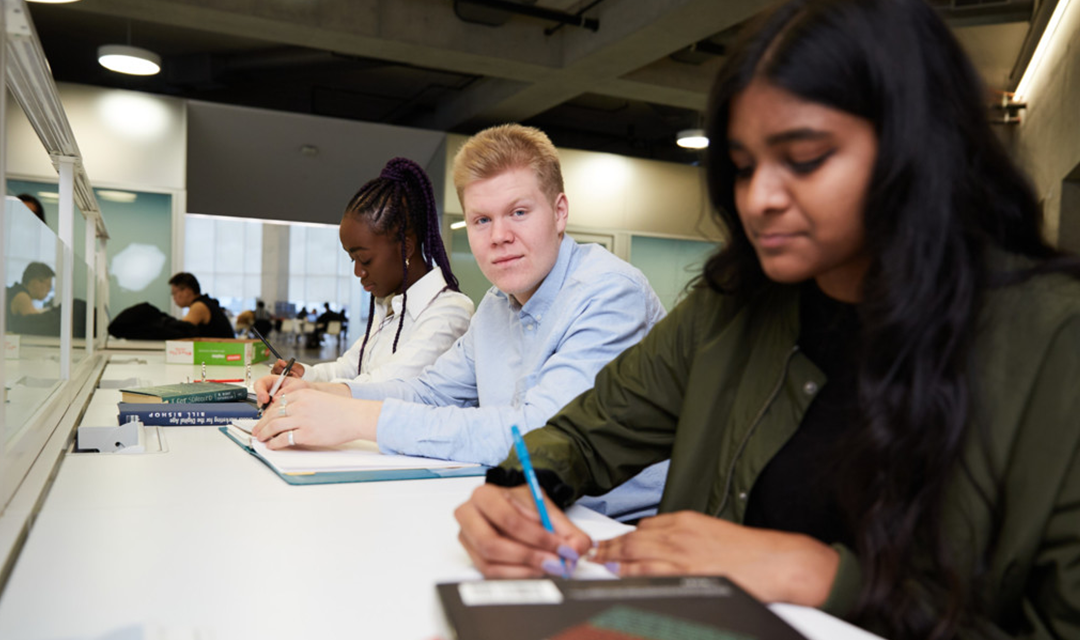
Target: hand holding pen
(263,386)
(503,533)
(534,488)
(297,370)
(277,384)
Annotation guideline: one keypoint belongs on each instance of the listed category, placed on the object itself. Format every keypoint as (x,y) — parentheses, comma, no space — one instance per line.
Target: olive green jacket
(720,387)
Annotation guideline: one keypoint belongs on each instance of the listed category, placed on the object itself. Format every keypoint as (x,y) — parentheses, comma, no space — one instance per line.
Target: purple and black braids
(399,201)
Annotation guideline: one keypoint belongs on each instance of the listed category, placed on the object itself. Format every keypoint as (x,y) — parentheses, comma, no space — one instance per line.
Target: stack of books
(187,404)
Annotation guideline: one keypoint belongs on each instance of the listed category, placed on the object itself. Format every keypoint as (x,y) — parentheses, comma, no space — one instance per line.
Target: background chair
(334,328)
(289,328)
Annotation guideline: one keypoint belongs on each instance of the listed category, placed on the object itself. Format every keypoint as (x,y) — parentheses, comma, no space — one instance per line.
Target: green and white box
(215,351)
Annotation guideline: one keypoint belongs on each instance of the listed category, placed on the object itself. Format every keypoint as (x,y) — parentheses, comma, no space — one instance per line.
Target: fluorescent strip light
(1040,51)
(290,223)
(117,196)
(460,224)
(131,60)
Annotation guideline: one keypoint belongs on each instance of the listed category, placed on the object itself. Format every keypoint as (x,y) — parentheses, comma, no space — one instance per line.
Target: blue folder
(367,475)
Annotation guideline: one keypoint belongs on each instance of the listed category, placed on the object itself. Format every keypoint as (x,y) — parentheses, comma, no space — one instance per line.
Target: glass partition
(78,317)
(43,374)
(669,263)
(32,255)
(139,248)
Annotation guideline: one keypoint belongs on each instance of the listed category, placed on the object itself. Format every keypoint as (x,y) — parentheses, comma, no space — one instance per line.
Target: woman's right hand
(297,370)
(264,384)
(502,533)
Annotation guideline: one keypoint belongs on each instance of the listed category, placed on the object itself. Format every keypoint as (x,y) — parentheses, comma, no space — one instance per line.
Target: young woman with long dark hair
(390,229)
(871,400)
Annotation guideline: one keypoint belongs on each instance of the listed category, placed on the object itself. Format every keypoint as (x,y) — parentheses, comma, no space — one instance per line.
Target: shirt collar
(421,293)
(553,282)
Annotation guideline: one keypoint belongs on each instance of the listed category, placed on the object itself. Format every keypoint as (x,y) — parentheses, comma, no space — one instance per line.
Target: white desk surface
(203,541)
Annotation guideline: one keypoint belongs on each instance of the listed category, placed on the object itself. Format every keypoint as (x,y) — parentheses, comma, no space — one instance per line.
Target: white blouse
(435,318)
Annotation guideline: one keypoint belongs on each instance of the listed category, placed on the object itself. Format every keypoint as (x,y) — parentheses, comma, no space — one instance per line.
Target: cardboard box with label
(215,351)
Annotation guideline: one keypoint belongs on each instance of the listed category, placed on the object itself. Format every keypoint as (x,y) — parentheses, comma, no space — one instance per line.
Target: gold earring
(406,264)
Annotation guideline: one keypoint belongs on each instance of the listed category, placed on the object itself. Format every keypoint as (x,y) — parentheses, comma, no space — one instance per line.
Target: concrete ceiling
(453,65)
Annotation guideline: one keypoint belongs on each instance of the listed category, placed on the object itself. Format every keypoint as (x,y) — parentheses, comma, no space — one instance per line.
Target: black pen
(277,383)
(264,341)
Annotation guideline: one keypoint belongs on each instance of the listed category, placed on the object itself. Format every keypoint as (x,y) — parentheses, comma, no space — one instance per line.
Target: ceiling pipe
(579,13)
(968,13)
(561,17)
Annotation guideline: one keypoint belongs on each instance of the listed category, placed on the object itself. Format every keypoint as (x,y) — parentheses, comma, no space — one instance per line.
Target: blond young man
(557,313)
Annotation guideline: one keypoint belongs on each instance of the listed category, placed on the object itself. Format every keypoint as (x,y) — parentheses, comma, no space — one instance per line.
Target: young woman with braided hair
(390,229)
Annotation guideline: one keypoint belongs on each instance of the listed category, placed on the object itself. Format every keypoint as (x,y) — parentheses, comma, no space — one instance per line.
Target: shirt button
(743,496)
(810,388)
(529,327)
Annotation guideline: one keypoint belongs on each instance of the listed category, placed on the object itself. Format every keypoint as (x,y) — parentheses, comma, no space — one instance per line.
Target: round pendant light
(692,139)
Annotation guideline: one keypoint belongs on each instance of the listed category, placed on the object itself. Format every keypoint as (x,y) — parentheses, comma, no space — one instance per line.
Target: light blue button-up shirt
(520,365)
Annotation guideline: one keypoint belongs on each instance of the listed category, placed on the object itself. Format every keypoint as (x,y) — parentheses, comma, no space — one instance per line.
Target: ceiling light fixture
(113,195)
(1020,95)
(123,58)
(53,1)
(692,139)
(460,224)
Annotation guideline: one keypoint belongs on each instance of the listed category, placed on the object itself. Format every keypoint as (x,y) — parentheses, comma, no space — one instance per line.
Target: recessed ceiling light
(127,59)
(53,1)
(692,139)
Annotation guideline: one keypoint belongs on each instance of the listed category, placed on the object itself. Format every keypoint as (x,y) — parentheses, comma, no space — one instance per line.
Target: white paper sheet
(359,455)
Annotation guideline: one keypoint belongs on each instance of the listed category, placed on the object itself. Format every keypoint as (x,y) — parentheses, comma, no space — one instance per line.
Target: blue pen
(534,486)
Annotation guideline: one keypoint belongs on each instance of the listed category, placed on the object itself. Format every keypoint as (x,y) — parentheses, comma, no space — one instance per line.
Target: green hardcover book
(186,393)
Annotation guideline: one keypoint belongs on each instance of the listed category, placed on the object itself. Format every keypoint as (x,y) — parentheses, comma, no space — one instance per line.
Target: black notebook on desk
(660,608)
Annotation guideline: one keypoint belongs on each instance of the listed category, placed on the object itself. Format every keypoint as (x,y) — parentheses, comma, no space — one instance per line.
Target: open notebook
(357,461)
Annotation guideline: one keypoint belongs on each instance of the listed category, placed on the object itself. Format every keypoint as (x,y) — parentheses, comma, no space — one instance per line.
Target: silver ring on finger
(292,441)
(282,412)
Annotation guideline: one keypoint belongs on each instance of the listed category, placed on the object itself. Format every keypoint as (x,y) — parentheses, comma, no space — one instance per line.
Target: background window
(320,271)
(225,254)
